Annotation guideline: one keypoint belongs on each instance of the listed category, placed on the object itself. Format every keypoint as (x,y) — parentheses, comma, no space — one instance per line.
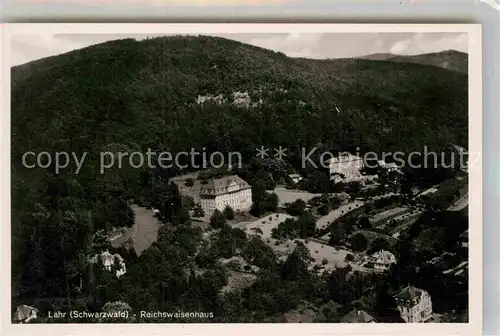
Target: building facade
(231,191)
(111,262)
(414,305)
(382,260)
(346,168)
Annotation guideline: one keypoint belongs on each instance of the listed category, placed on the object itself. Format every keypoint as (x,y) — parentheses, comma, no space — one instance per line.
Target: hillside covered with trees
(177,93)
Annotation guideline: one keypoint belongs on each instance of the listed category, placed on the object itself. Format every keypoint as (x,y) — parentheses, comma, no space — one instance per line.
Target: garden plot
(325,221)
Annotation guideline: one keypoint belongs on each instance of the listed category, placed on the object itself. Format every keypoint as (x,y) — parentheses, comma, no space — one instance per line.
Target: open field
(290,196)
(334,256)
(265,224)
(143,233)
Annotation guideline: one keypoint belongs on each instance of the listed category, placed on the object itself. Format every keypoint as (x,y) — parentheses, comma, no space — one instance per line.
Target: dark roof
(409,294)
(220,186)
(358,316)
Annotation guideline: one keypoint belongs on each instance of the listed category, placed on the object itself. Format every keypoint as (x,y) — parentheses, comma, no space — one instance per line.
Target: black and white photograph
(209,176)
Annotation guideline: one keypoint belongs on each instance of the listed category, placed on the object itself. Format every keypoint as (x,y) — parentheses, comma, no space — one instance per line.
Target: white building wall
(350,169)
(419,313)
(238,201)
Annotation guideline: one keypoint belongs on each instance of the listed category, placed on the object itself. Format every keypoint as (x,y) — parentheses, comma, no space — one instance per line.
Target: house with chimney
(414,304)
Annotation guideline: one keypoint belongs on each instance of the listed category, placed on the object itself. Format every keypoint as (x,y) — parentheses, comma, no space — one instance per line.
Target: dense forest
(448,59)
(129,95)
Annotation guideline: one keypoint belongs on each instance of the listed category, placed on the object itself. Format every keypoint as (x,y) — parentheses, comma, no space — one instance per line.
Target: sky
(26,48)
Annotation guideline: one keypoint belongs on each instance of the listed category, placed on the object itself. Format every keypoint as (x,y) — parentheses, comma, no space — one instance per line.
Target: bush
(229,213)
(359,242)
(189,182)
(349,257)
(218,220)
(364,223)
(296,208)
(324,261)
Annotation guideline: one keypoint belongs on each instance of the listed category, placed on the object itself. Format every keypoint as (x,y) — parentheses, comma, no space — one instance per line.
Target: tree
(385,305)
(119,213)
(228,213)
(218,220)
(380,243)
(364,223)
(295,267)
(296,208)
(324,209)
(271,203)
(198,211)
(257,208)
(337,234)
(306,225)
(359,242)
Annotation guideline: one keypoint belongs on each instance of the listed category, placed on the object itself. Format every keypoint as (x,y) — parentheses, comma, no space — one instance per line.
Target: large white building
(346,168)
(226,191)
(414,304)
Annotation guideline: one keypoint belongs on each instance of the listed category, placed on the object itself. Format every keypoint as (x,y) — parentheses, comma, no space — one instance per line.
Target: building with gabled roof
(231,191)
(110,261)
(24,314)
(382,260)
(296,178)
(358,316)
(414,304)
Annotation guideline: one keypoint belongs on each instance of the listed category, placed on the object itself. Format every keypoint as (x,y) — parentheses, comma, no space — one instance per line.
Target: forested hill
(178,93)
(144,93)
(448,59)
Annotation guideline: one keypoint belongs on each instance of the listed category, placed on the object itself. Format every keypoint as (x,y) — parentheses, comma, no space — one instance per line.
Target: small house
(382,260)
(296,178)
(24,314)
